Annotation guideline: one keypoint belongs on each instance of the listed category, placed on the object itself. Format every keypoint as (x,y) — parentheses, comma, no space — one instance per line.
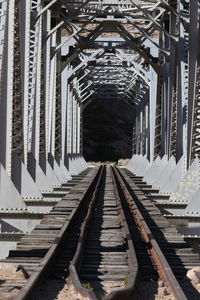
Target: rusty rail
(165,272)
(43,267)
(81,242)
(122,293)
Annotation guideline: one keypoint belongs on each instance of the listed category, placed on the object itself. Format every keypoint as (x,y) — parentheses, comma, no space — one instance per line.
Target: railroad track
(105,235)
(105,253)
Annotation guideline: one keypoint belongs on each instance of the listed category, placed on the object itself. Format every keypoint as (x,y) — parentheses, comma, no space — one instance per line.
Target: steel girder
(194,68)
(174,23)
(72,52)
(33,122)
(121,30)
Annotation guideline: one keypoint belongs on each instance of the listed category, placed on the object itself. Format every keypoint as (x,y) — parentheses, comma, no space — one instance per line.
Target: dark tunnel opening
(107,130)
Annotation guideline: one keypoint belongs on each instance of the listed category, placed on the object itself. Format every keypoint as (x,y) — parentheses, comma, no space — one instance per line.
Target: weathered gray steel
(58,56)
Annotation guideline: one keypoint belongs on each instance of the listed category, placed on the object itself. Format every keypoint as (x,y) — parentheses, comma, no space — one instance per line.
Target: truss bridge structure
(57,56)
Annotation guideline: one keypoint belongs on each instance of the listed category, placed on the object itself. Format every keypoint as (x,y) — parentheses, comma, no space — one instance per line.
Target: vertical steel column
(143,132)
(166,87)
(3,27)
(182,83)
(76,118)
(79,128)
(47,53)
(194,63)
(146,115)
(17,105)
(137,123)
(44,90)
(36,129)
(34,79)
(6,101)
(140,130)
(134,146)
(73,123)
(172,116)
(25,14)
(58,113)
(69,120)
(158,147)
(42,144)
(163,62)
(195,147)
(158,125)
(152,112)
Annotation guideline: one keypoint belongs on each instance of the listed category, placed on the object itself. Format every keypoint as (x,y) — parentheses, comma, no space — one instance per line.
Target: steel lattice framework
(57,56)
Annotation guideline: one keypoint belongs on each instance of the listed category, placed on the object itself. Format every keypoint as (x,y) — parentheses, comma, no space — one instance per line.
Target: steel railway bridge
(56,57)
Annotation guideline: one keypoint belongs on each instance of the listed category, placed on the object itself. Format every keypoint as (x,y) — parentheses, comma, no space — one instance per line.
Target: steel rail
(125,293)
(164,270)
(81,242)
(122,293)
(43,267)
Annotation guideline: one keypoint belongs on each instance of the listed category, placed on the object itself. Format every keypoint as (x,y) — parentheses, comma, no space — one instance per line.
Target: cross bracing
(57,56)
